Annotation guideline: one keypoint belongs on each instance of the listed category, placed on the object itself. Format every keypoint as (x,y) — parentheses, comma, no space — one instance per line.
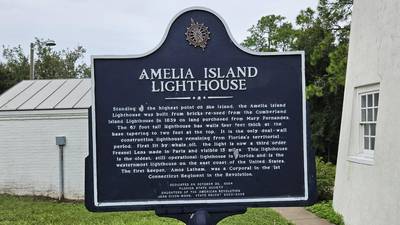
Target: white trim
(362,159)
(205,201)
(359,154)
(305,155)
(96,203)
(43,114)
(200,201)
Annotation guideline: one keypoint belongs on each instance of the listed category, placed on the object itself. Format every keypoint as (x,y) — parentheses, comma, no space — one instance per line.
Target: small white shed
(32,114)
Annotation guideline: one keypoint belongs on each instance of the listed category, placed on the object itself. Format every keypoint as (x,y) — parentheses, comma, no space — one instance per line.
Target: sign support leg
(200,216)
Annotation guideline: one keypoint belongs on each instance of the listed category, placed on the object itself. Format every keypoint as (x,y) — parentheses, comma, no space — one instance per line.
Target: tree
(324,36)
(49,64)
(15,69)
(272,33)
(329,28)
(59,64)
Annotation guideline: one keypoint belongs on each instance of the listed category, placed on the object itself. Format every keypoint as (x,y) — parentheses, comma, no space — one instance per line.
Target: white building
(367,188)
(32,114)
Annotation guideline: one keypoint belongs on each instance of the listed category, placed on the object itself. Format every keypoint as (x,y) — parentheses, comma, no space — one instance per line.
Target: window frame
(357,153)
(367,123)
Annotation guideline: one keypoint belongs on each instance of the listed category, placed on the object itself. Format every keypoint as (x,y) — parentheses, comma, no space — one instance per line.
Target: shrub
(325,179)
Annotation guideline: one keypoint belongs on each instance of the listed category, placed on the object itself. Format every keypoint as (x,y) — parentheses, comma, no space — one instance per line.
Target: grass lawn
(33,210)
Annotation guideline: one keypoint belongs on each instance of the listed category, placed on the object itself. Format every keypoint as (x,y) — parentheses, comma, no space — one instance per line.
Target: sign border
(164,203)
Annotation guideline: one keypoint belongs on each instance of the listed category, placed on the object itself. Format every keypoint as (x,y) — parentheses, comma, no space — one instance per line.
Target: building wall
(29,156)
(367,191)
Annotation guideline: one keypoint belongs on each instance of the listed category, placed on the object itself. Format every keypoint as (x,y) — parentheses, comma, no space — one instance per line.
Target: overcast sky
(122,26)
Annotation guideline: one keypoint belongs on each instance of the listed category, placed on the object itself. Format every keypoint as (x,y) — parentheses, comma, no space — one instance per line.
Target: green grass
(35,210)
(256,217)
(326,211)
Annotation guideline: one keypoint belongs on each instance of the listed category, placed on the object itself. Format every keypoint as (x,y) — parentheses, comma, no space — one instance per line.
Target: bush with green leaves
(325,179)
(326,211)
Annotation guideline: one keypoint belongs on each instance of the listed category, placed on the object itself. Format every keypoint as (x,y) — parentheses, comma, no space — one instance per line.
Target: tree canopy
(49,64)
(323,33)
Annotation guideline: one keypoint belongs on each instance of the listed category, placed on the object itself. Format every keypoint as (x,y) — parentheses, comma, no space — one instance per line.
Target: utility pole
(32,62)
(48,43)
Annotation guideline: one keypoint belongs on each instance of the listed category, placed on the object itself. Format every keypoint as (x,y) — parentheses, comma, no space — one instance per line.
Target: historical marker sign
(197,121)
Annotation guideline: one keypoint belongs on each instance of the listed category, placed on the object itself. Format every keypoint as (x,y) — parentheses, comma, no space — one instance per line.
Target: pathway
(300,216)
